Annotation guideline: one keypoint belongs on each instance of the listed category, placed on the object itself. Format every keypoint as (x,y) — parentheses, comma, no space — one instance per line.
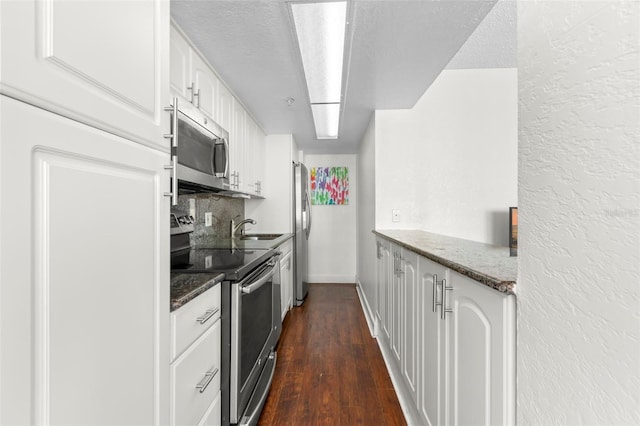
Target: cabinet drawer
(193,319)
(213,416)
(192,389)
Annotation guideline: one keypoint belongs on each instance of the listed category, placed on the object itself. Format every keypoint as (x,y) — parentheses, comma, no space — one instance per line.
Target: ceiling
(395,50)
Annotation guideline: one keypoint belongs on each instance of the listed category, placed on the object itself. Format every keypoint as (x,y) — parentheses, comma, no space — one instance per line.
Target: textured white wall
(579,213)
(449,164)
(332,243)
(366,242)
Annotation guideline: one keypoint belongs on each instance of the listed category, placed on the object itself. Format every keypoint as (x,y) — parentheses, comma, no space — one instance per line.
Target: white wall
(450,163)
(579,213)
(332,243)
(366,245)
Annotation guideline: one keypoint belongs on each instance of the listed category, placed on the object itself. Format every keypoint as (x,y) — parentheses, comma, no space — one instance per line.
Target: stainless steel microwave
(203,152)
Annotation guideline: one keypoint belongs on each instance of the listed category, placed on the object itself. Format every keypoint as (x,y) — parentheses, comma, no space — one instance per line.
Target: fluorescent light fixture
(326,117)
(320,28)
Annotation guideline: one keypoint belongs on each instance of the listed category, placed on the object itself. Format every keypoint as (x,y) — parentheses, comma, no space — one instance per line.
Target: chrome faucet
(235,227)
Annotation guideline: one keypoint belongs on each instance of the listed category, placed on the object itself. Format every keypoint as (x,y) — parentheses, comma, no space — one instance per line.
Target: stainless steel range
(251,322)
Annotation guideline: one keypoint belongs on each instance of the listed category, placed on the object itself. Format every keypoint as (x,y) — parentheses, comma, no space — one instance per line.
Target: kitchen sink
(260,236)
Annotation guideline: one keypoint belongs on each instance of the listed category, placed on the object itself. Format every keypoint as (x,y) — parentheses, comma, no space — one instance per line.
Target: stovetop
(234,263)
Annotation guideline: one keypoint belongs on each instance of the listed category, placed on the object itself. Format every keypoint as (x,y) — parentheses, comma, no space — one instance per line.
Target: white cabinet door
(480,346)
(431,343)
(225,107)
(101,62)
(205,95)
(396,304)
(384,281)
(286,288)
(409,344)
(248,167)
(259,162)
(180,70)
(84,273)
(237,146)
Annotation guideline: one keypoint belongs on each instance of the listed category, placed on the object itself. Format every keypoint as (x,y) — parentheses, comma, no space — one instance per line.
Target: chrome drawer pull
(208,377)
(207,315)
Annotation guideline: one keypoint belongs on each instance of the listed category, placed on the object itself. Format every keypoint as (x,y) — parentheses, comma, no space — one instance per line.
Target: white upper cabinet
(84,274)
(180,73)
(100,62)
(224,110)
(193,79)
(205,87)
(236,146)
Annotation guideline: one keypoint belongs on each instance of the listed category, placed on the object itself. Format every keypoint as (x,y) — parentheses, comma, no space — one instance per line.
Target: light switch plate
(395,215)
(208,219)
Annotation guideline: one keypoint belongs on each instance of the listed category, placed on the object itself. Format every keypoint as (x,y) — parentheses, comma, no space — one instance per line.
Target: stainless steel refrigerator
(302,217)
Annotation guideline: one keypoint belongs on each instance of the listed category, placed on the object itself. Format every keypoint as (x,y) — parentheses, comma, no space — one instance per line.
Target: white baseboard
(368,314)
(339,279)
(407,405)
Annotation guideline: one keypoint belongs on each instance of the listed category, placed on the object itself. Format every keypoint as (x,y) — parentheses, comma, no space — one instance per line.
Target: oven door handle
(262,281)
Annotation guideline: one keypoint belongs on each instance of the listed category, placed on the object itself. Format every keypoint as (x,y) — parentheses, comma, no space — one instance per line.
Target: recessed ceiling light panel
(326,118)
(321,29)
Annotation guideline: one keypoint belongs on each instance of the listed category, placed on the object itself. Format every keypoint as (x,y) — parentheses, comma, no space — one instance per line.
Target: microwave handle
(226,154)
(225,173)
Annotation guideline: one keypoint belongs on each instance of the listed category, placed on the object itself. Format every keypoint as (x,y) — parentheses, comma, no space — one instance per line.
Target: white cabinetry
(193,79)
(396,304)
(84,284)
(409,317)
(480,349)
(384,289)
(431,389)
(458,366)
(286,277)
(84,61)
(195,370)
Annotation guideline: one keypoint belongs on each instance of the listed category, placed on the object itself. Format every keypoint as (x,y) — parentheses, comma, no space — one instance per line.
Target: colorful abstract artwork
(329,185)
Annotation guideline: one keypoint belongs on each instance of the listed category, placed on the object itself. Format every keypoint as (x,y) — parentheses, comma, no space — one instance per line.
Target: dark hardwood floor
(329,369)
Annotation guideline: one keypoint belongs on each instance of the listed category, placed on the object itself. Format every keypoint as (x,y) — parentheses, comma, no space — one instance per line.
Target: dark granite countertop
(490,265)
(236,243)
(186,287)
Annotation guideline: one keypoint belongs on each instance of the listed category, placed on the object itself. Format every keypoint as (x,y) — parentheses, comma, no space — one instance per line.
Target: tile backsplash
(223,210)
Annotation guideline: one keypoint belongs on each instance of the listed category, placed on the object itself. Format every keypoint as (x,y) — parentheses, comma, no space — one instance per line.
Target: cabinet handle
(174,154)
(208,377)
(443,307)
(207,315)
(196,94)
(435,292)
(190,88)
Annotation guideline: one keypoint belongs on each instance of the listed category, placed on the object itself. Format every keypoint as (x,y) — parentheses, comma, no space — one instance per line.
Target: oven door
(252,340)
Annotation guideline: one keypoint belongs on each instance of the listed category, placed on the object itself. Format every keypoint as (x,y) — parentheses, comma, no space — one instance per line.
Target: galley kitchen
(319,212)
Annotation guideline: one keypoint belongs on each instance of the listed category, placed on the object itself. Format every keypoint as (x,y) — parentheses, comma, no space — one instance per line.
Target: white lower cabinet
(383,312)
(195,373)
(286,277)
(213,415)
(458,368)
(431,395)
(480,351)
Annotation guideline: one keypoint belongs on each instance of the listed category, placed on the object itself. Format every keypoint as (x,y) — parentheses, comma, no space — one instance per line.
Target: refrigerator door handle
(308,202)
